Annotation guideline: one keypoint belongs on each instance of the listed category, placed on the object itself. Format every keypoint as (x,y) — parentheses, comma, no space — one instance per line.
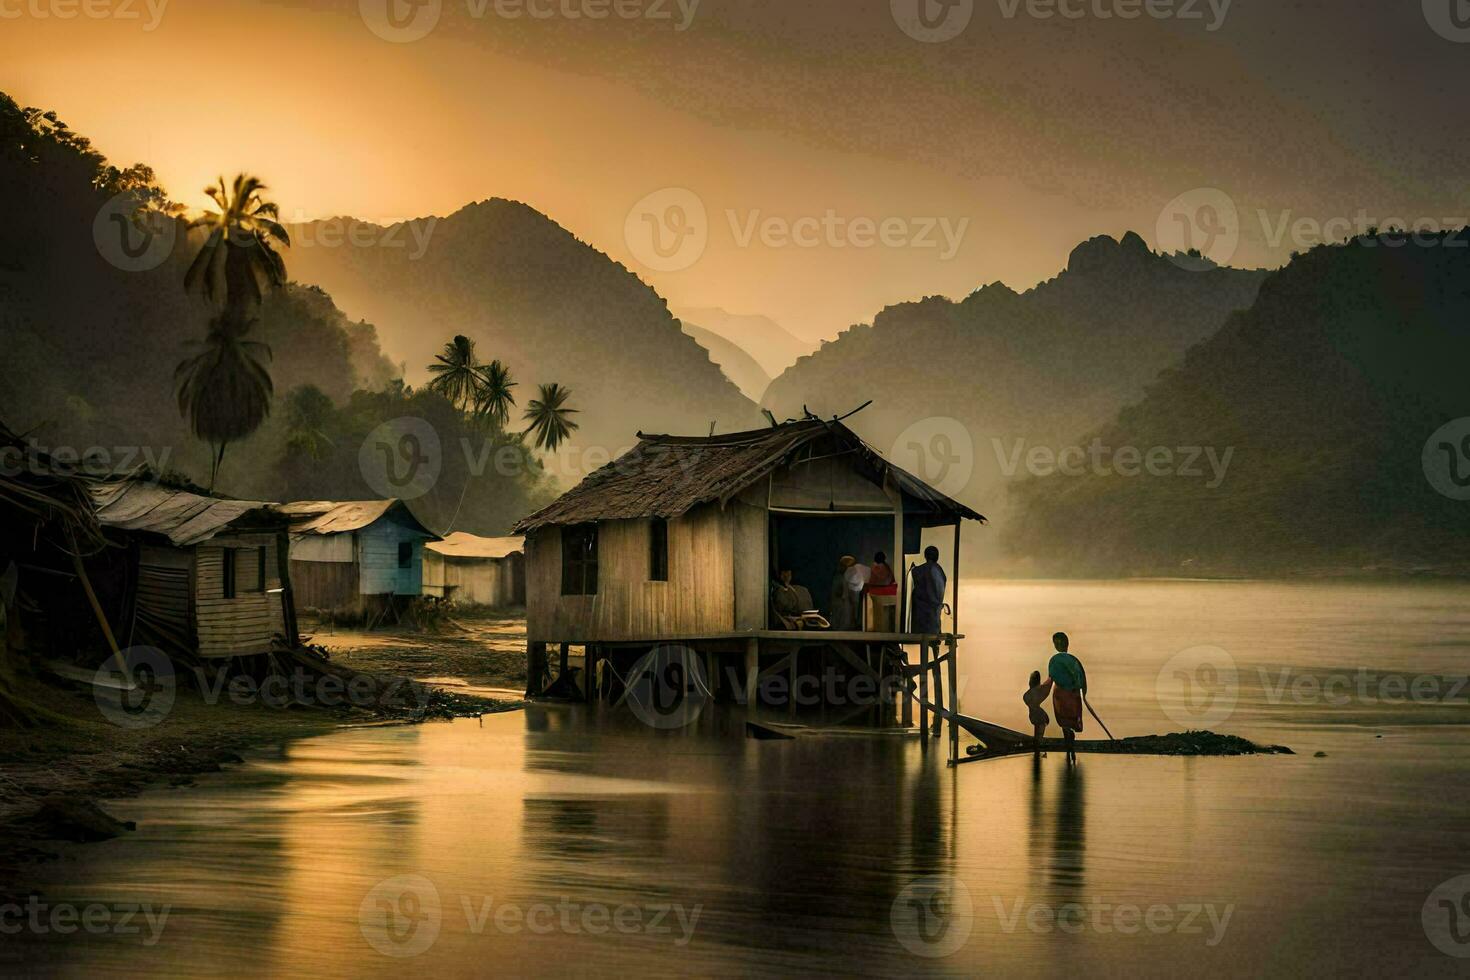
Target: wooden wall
(497,582)
(165,586)
(699,597)
(377,558)
(328,585)
(245,624)
(749,530)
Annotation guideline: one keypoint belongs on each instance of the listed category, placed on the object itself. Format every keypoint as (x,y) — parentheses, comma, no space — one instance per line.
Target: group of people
(852,582)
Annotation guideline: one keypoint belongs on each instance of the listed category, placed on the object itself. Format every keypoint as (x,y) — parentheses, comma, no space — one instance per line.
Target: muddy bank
(484,649)
(55,779)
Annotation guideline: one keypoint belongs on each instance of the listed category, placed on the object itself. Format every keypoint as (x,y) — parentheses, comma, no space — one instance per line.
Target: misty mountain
(1327,399)
(736,364)
(773,346)
(957,386)
(531,294)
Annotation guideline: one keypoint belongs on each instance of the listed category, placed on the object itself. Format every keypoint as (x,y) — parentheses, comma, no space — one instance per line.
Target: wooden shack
(355,557)
(677,541)
(211,573)
(466,569)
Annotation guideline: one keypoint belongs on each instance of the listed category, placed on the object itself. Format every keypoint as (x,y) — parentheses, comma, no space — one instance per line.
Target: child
(1034,697)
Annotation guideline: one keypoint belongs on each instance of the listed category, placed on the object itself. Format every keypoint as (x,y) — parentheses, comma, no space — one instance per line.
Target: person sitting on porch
(793,603)
(844,597)
(929,585)
(880,577)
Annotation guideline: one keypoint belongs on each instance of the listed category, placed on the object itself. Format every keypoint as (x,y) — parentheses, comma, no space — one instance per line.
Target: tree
(548,416)
(494,399)
(239,250)
(308,414)
(225,389)
(457,373)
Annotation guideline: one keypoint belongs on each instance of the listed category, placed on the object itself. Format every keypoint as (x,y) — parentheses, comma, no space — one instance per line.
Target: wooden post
(589,673)
(908,699)
(924,686)
(954,606)
(535,668)
(566,652)
(954,701)
(752,675)
(791,687)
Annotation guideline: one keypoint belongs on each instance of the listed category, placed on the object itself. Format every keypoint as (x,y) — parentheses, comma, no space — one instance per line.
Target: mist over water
(550,840)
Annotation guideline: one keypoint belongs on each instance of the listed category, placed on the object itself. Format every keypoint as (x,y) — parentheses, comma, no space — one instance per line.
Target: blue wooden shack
(355,557)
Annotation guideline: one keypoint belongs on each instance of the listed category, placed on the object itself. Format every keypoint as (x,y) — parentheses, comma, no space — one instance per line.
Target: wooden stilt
(535,669)
(924,687)
(938,695)
(752,675)
(908,698)
(562,664)
(954,702)
(589,673)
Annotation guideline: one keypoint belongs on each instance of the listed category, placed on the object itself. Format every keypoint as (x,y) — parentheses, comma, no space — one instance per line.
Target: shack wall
(699,596)
(377,557)
(243,625)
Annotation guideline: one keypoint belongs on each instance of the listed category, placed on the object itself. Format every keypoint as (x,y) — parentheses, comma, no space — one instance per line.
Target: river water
(563,840)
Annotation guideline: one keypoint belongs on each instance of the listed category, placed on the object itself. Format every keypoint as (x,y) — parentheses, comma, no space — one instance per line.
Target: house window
(658,550)
(260,569)
(227,572)
(579,559)
(405,554)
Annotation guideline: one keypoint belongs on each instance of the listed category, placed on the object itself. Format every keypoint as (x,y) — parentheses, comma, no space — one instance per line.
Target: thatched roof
(339,516)
(667,476)
(185,517)
(39,493)
(462,544)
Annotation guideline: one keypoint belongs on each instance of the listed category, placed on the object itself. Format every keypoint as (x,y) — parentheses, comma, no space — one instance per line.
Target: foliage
(550,417)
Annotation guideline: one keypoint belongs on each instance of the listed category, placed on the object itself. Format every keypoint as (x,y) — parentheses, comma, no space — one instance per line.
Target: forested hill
(548,305)
(1002,369)
(1329,395)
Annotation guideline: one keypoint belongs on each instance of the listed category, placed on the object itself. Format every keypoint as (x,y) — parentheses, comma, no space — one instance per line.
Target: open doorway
(811,544)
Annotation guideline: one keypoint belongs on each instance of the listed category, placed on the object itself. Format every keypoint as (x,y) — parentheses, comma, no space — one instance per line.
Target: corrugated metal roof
(462,544)
(184,517)
(666,476)
(338,516)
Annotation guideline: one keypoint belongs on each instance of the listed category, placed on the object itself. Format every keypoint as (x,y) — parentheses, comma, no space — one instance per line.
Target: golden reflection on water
(803,855)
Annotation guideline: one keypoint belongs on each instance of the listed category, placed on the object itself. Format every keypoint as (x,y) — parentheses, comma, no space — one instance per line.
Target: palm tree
(240,249)
(494,399)
(308,412)
(225,389)
(457,373)
(548,416)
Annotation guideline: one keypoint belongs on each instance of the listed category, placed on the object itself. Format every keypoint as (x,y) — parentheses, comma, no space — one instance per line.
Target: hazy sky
(840,162)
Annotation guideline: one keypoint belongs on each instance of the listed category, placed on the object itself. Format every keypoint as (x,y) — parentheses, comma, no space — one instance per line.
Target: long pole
(1096,718)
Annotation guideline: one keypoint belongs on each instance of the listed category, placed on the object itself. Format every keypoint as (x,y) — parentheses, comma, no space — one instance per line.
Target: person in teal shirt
(1067,680)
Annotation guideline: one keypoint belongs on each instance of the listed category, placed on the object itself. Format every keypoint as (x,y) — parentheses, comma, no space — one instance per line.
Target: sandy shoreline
(57,777)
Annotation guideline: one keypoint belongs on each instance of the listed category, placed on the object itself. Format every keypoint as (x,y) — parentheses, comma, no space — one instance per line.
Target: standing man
(1068,683)
(929,585)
